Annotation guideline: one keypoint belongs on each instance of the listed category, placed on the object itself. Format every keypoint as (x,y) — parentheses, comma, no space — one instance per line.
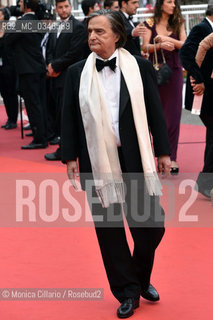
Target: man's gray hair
(117,24)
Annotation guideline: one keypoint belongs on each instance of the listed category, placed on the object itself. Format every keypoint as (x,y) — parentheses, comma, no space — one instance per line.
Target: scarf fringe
(153,184)
(112,192)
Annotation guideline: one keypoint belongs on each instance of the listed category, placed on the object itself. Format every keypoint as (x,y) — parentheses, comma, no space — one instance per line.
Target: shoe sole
(52,159)
(33,148)
(124,317)
(10,128)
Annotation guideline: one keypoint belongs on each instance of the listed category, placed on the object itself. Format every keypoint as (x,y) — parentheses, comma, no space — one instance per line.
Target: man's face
(63,9)
(102,40)
(21,5)
(1,16)
(93,9)
(96,7)
(130,7)
(115,6)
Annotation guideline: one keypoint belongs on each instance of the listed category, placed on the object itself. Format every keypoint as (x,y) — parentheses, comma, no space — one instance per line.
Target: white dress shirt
(211,23)
(61,26)
(130,21)
(110,81)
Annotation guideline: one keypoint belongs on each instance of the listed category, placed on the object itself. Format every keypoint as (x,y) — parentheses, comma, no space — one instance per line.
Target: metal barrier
(193,14)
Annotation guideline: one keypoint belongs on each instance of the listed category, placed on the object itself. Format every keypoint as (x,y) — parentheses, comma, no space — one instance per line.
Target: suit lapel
(208,24)
(62,34)
(124,96)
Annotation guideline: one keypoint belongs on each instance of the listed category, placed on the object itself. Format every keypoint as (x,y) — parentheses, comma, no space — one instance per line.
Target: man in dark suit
(64,49)
(203,85)
(31,71)
(8,77)
(103,87)
(134,30)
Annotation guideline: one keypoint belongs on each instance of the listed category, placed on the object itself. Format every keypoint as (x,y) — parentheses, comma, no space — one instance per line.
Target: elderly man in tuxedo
(111,100)
(203,85)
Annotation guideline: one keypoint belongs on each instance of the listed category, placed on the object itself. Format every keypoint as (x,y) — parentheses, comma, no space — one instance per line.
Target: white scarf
(101,141)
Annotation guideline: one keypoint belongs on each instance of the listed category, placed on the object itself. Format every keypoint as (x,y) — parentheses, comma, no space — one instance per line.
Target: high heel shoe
(174,170)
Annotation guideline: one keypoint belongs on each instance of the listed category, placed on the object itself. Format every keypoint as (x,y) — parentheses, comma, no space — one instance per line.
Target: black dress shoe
(4,125)
(174,171)
(27,127)
(29,134)
(127,307)
(150,294)
(10,125)
(52,156)
(54,141)
(34,145)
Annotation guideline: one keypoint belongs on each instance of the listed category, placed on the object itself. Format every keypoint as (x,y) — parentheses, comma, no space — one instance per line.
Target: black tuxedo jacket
(203,74)
(86,48)
(67,49)
(7,55)
(28,53)
(133,43)
(73,140)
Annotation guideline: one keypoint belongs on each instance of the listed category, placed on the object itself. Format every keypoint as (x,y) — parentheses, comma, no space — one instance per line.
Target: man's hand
(164,165)
(199,88)
(50,71)
(72,171)
(139,31)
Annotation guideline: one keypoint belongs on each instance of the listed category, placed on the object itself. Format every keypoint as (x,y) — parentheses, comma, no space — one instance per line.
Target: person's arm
(51,73)
(198,88)
(69,123)
(204,46)
(188,52)
(147,47)
(72,172)
(139,31)
(50,47)
(177,43)
(164,164)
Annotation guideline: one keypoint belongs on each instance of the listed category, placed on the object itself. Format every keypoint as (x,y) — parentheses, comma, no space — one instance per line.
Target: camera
(44,11)
(15,10)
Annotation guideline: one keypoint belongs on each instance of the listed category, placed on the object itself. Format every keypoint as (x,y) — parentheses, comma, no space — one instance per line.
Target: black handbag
(163,71)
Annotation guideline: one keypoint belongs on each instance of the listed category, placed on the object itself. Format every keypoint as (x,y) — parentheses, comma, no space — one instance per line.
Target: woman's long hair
(175,20)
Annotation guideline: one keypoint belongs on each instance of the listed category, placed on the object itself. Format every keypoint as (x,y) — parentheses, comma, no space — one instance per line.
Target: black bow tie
(100,64)
(130,18)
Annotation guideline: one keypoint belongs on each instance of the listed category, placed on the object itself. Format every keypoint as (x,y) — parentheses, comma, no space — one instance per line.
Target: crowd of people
(38,76)
(92,92)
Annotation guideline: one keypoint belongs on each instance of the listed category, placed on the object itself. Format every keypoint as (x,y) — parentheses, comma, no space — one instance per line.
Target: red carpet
(70,258)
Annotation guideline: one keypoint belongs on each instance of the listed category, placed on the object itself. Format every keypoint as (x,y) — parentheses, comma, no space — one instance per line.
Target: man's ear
(90,9)
(117,37)
(123,4)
